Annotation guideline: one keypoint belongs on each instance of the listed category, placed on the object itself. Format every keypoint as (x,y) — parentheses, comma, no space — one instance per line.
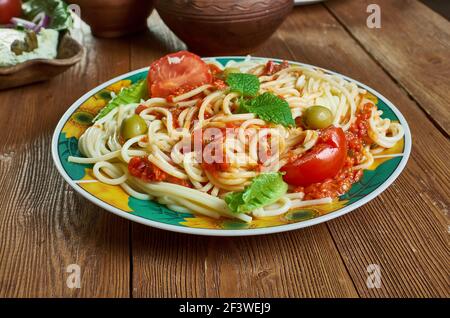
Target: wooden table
(45,226)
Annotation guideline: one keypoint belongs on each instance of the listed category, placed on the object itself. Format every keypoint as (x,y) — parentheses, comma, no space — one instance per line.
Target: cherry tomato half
(323,161)
(177,73)
(9,9)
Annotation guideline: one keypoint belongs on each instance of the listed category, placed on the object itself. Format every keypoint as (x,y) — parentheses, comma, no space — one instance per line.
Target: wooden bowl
(114,18)
(224,27)
(69,53)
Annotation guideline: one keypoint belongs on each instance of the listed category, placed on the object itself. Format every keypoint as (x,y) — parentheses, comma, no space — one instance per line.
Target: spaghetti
(175,162)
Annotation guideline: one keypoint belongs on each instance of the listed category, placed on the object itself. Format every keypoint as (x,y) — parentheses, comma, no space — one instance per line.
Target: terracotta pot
(221,27)
(114,18)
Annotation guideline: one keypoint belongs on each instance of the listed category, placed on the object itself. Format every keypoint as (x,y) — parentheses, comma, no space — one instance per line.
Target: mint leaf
(132,94)
(246,84)
(269,108)
(265,189)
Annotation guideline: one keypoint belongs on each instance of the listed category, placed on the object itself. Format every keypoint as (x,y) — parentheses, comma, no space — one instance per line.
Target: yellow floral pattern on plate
(389,153)
(200,221)
(82,118)
(113,195)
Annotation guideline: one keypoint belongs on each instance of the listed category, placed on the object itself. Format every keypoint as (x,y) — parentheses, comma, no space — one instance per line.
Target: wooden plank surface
(413,45)
(404,230)
(44,225)
(175,265)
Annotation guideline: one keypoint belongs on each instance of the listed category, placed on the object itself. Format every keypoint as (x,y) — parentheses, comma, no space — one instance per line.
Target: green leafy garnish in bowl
(57,10)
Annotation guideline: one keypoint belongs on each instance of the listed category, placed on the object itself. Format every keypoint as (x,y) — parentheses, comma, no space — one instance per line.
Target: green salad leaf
(132,94)
(265,189)
(269,108)
(246,84)
(57,10)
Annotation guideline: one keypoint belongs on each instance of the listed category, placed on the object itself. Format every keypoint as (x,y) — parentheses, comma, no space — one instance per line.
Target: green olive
(317,117)
(133,126)
(230,70)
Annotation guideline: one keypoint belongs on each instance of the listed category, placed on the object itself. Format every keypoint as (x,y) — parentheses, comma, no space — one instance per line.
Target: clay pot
(114,18)
(221,27)
(70,52)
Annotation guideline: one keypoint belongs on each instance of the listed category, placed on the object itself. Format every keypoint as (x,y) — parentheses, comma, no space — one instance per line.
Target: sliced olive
(31,40)
(29,43)
(18,47)
(317,117)
(133,126)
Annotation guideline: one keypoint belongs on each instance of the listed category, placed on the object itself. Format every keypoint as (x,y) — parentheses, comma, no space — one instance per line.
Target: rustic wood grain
(44,224)
(297,264)
(413,45)
(404,230)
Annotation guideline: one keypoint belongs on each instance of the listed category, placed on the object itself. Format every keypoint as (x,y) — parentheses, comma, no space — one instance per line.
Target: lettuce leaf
(56,9)
(132,94)
(265,189)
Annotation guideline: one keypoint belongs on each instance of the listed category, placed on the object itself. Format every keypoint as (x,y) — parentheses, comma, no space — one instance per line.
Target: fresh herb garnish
(57,10)
(265,189)
(269,108)
(132,94)
(245,84)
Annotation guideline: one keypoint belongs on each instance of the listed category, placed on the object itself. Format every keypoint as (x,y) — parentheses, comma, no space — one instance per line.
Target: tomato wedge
(9,9)
(323,161)
(177,73)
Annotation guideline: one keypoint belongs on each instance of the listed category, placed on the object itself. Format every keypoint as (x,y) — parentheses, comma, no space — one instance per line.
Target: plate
(112,198)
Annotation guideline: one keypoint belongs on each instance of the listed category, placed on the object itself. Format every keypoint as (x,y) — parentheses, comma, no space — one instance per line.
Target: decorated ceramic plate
(338,145)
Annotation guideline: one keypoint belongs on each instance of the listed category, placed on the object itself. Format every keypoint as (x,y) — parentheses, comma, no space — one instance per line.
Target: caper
(230,70)
(317,117)
(133,126)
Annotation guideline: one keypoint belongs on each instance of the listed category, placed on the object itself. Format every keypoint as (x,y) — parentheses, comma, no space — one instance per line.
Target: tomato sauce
(183,89)
(216,167)
(357,137)
(333,187)
(176,111)
(218,77)
(272,67)
(140,109)
(361,125)
(142,168)
(219,84)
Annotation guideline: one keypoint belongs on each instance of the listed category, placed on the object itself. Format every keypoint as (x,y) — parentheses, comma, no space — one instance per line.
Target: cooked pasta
(200,146)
